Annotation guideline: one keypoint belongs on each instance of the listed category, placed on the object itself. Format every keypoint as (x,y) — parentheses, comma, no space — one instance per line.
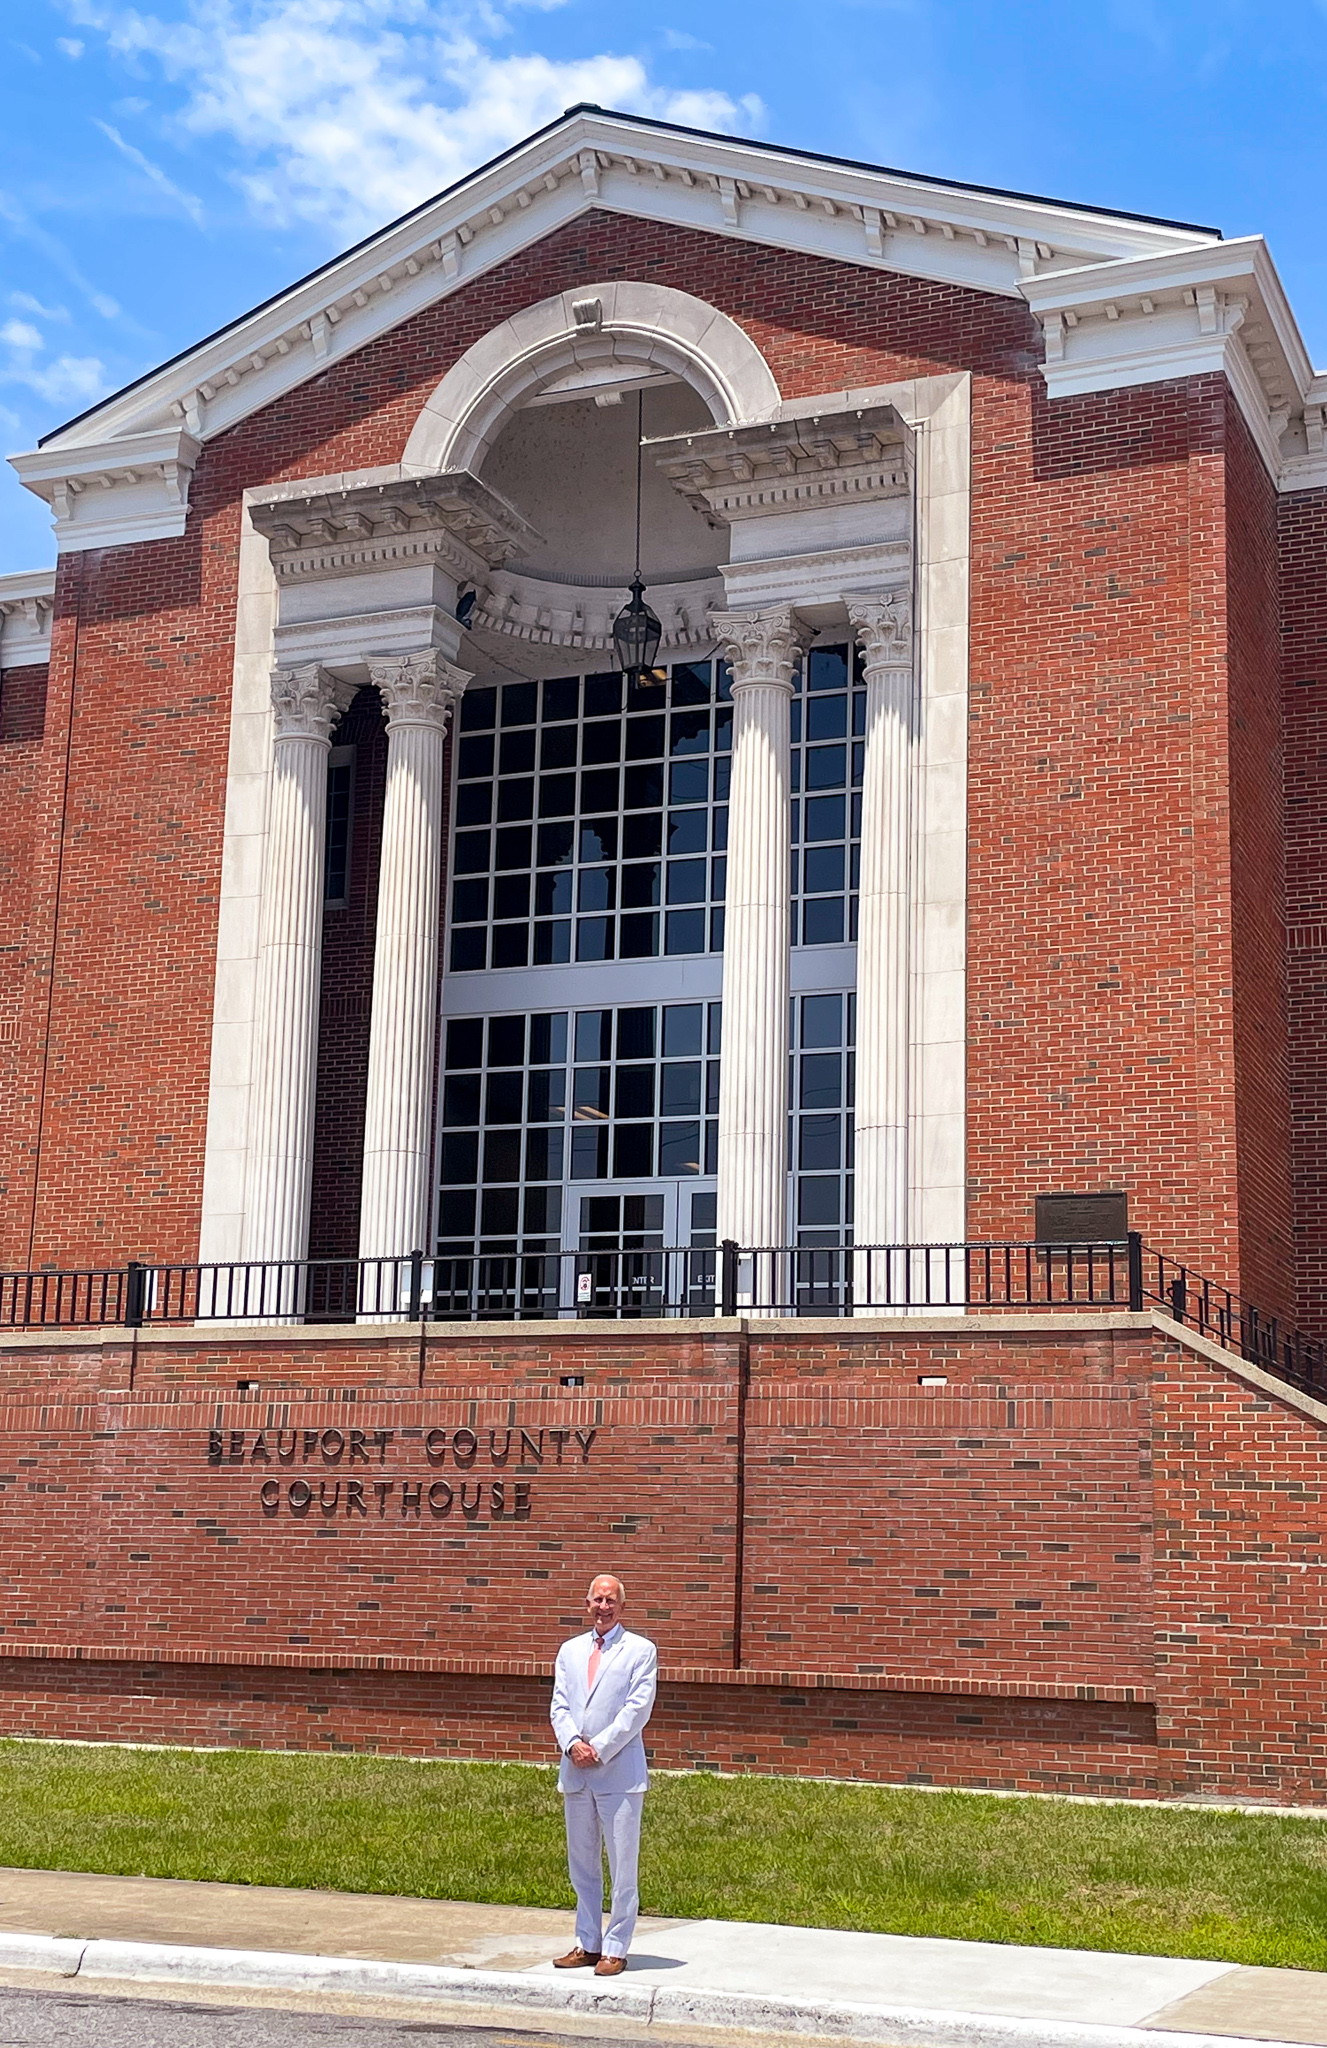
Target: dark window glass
(469,902)
(826,767)
(641,837)
(635,1038)
(823,870)
(818,1201)
(643,789)
(819,1143)
(603,694)
(716,931)
(460,1158)
(822,921)
(456,1213)
(718,879)
(543,1207)
(827,718)
(557,796)
(688,733)
(520,702)
(712,1088)
(638,936)
(511,896)
(598,839)
(336,872)
(477,709)
(502,1155)
(499,1210)
(547,1096)
(506,1041)
(640,885)
(633,1151)
(686,881)
(684,931)
(711,1147)
(511,945)
(689,782)
(822,1020)
(679,1149)
(557,749)
(598,889)
(594,938)
(513,847)
(714,1041)
(723,730)
(474,803)
(635,1092)
(548,1038)
(552,893)
(557,843)
(822,1081)
(827,669)
(469,947)
(679,1088)
(824,817)
(687,831)
(795,721)
(681,1030)
(515,799)
(543,1155)
(589,1152)
(601,742)
(599,789)
(594,1035)
(460,1099)
(475,758)
(465,1042)
(552,944)
(692,683)
(504,1099)
(472,853)
(720,830)
(562,698)
(858,764)
(723,775)
(645,739)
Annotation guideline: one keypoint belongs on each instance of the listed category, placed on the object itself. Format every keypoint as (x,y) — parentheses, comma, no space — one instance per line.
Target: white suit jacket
(611,1716)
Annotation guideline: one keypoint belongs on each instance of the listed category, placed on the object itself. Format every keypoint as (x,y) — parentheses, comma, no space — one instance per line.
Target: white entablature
(27,602)
(121,472)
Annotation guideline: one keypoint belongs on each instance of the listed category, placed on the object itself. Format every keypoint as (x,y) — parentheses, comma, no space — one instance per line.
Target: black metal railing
(627,1282)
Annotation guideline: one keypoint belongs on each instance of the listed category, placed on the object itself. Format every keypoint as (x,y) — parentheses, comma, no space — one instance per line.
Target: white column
(763,648)
(883,629)
(419,691)
(305,703)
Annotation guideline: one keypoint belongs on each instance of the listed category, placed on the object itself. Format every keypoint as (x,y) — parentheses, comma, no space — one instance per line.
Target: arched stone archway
(599,328)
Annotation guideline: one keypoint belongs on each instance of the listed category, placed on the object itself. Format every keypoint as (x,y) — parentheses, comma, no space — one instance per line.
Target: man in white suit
(603,1693)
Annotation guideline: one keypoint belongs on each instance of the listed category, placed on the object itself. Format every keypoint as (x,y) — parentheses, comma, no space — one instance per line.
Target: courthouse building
(952,871)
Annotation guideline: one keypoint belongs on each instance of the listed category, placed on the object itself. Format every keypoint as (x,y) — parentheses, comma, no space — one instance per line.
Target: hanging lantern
(636,635)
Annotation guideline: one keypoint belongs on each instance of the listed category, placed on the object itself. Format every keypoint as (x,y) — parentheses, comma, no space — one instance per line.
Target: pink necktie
(596,1653)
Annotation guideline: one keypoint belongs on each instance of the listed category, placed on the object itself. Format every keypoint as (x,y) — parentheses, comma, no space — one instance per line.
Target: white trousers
(595,1821)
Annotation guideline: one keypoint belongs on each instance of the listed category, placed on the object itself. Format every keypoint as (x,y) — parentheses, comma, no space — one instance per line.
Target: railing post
(1135,1259)
(415,1309)
(135,1294)
(728,1279)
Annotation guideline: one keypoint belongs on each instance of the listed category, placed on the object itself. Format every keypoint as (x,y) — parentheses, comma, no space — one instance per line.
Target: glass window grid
(587,833)
(822,1087)
(340,809)
(828,722)
(531,1115)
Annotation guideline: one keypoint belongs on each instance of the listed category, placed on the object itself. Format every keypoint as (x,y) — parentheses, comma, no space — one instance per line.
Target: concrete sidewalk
(705,1973)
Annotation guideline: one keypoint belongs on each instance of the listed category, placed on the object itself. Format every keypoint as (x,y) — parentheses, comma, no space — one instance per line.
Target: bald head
(604,1601)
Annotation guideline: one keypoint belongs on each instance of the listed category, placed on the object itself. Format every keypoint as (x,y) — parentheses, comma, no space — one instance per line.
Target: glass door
(632,1249)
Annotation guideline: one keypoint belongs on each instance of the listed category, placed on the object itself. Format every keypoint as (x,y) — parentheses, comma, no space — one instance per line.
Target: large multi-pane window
(821,1093)
(828,719)
(591,819)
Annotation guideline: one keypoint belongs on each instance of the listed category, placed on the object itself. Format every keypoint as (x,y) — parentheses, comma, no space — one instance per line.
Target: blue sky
(162,168)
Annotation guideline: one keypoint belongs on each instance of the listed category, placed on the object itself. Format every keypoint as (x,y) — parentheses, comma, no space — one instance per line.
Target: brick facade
(1086,1562)
(1126,1002)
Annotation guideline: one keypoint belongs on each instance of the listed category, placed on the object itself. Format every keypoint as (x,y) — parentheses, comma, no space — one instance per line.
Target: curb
(260,1969)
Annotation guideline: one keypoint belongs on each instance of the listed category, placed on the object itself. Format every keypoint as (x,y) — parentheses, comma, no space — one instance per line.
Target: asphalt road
(70,2019)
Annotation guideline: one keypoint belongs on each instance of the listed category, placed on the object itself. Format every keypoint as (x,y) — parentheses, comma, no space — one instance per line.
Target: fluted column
(883,629)
(305,704)
(418,691)
(763,649)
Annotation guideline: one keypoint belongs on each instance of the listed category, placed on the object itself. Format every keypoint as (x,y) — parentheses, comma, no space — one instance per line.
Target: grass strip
(1242,1888)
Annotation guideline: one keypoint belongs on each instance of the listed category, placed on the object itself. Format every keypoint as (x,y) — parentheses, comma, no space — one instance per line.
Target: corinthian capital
(882,627)
(306,702)
(761,647)
(418,689)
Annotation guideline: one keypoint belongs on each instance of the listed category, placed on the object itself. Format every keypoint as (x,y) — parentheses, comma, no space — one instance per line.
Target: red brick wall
(22,703)
(980,1582)
(1303,551)
(1104,1047)
(22,712)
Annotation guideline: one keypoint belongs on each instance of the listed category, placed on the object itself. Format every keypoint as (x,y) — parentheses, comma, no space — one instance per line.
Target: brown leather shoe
(578,1959)
(610,1966)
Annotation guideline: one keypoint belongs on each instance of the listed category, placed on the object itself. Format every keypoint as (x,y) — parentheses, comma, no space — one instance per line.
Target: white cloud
(20,334)
(27,304)
(192,206)
(69,379)
(69,45)
(349,112)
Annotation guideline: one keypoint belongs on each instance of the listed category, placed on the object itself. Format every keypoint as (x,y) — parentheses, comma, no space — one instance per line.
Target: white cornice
(27,601)
(105,493)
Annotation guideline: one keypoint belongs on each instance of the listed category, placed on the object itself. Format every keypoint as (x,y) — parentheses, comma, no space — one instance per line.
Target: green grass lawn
(1242,1888)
